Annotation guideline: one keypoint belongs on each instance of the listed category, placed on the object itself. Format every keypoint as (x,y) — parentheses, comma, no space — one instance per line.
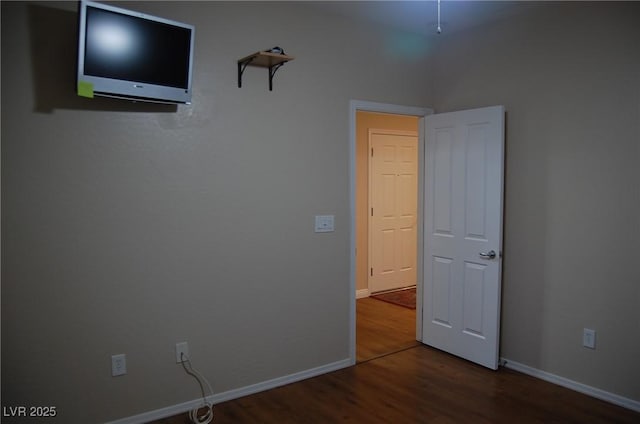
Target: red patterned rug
(405,298)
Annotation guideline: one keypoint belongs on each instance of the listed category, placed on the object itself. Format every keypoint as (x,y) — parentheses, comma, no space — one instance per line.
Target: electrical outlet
(324,223)
(182,348)
(118,365)
(589,338)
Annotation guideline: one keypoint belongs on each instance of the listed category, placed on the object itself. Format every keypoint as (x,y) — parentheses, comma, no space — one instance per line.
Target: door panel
(463,218)
(442,175)
(440,298)
(473,299)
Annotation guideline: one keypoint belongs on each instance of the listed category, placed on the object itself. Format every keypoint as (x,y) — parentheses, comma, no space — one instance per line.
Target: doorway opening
(377,327)
(459,169)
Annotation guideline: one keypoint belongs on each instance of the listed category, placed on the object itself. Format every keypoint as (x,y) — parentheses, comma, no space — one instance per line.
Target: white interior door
(393,191)
(464,160)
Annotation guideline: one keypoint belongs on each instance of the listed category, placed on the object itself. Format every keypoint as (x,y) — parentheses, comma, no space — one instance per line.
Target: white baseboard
(634,405)
(362,293)
(233,394)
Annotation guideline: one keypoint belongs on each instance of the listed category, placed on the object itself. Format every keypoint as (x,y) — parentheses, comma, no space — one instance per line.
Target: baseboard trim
(233,394)
(573,385)
(362,293)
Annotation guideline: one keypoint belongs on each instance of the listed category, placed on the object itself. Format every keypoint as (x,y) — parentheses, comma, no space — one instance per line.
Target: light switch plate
(324,223)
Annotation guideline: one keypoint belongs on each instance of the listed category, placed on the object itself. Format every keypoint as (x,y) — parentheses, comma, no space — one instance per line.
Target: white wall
(127,228)
(569,76)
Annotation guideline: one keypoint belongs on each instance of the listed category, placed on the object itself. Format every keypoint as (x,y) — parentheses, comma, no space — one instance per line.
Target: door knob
(488,255)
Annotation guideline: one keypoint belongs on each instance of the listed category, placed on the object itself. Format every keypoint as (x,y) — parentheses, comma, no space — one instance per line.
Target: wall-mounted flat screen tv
(132,55)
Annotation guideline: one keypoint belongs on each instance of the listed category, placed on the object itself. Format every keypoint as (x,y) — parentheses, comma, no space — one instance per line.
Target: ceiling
(422,16)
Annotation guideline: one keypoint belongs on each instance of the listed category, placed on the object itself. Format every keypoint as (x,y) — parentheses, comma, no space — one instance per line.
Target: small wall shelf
(273,61)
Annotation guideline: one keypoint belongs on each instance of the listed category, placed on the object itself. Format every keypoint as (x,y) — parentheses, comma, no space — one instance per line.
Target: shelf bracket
(272,72)
(242,65)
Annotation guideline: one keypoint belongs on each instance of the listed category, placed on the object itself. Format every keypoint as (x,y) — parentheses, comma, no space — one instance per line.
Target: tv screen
(132,55)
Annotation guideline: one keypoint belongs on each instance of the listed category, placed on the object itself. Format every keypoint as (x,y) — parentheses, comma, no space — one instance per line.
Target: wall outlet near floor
(118,365)
(182,348)
(589,338)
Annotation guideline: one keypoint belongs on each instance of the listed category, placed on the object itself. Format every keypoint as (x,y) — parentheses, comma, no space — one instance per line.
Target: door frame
(420,112)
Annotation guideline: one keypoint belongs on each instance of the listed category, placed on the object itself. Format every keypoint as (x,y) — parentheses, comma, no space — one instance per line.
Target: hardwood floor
(418,384)
(383,328)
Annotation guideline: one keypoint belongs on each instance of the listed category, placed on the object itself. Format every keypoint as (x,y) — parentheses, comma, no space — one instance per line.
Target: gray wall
(569,76)
(127,228)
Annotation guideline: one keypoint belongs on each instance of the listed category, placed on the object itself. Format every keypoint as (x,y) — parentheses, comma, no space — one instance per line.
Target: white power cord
(207,416)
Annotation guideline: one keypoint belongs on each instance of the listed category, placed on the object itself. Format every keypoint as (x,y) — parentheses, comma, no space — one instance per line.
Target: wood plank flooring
(383,328)
(415,385)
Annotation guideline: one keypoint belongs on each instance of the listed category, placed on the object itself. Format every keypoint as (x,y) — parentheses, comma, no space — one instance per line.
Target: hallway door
(393,193)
